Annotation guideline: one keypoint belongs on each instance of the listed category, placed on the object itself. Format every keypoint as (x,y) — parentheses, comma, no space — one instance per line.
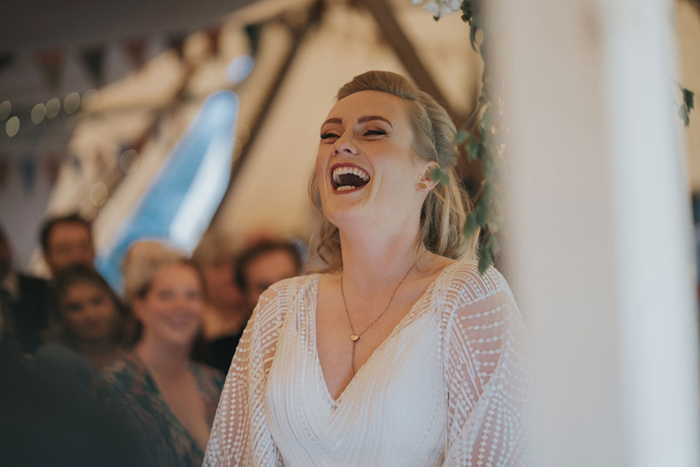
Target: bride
(399,352)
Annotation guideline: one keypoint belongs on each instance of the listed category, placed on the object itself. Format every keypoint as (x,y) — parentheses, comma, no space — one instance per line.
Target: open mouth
(346,178)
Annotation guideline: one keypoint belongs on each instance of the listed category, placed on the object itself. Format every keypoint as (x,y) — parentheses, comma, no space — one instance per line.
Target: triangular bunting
(51,64)
(136,51)
(214,37)
(94,59)
(253,32)
(6,59)
(177,43)
(4,170)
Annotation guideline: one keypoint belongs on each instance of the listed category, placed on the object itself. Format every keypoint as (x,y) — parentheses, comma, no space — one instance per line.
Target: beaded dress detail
(450,386)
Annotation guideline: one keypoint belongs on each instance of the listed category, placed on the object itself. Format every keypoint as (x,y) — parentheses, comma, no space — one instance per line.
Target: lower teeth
(345,188)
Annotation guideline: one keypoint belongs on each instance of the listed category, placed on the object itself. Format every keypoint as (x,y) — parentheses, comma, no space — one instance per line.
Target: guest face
(88,312)
(265,270)
(171,312)
(222,291)
(366,167)
(69,243)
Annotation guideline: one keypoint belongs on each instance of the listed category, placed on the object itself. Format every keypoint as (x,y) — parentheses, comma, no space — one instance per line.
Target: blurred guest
(225,313)
(43,423)
(27,301)
(265,263)
(88,329)
(169,400)
(67,240)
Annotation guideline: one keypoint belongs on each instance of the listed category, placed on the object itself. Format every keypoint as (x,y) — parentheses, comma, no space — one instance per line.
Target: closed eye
(328,135)
(375,133)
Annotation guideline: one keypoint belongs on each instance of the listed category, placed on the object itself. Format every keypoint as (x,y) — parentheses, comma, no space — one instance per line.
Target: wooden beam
(397,39)
(299,32)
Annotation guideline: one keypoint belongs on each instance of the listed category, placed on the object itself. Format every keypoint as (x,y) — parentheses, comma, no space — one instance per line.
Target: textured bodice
(393,412)
(449,386)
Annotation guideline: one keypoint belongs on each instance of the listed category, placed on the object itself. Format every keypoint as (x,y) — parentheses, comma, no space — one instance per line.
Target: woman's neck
(163,358)
(372,262)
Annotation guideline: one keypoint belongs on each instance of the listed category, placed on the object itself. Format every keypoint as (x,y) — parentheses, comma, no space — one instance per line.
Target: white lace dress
(450,385)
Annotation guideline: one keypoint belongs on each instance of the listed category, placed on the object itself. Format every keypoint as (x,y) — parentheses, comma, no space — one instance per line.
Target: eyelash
(367,133)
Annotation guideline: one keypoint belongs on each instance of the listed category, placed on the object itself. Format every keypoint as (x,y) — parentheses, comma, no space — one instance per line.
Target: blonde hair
(143,261)
(446,207)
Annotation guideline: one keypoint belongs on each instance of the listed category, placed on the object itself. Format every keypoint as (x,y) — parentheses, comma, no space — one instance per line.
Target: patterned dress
(129,390)
(450,386)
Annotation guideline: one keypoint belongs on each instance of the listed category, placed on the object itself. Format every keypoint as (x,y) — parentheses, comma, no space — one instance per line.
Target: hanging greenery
(486,143)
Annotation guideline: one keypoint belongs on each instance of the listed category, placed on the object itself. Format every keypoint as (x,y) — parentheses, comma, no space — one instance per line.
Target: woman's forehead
(360,104)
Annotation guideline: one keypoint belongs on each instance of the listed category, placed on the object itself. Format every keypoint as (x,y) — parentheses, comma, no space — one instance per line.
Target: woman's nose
(344,145)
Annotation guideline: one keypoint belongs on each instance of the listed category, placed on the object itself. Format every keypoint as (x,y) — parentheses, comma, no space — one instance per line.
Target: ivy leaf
(688,99)
(474,149)
(485,260)
(492,244)
(472,35)
(437,174)
(470,226)
(462,136)
(489,190)
(482,212)
(683,113)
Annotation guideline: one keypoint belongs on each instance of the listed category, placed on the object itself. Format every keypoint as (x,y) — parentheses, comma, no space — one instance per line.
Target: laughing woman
(399,352)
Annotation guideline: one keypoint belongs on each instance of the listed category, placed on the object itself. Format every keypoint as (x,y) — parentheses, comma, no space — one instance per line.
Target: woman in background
(89,327)
(169,399)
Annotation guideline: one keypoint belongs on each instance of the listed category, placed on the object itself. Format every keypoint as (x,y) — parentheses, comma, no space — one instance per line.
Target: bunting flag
(253,32)
(4,170)
(136,51)
(6,59)
(214,35)
(51,64)
(52,166)
(177,43)
(94,59)
(27,169)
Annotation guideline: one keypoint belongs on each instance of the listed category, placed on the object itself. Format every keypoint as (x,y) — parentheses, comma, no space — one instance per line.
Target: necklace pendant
(354,337)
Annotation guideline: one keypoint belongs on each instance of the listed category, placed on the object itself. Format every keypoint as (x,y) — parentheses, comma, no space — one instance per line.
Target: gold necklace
(354,337)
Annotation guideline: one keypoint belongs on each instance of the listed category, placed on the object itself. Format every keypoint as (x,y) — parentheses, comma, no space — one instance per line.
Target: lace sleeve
(487,373)
(240,435)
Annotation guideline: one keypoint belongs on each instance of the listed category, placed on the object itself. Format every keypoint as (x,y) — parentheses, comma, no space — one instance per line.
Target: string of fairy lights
(46,111)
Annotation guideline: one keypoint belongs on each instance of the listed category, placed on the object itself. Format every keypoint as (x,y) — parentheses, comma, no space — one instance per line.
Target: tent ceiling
(30,24)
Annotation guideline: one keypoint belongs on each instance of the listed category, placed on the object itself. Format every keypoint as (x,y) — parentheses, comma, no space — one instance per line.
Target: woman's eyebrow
(333,120)
(369,118)
(365,119)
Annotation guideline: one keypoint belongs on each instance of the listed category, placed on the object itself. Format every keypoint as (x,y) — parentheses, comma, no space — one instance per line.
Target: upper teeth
(349,170)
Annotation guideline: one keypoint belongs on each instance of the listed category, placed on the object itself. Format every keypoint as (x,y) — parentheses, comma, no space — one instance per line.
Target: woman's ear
(425,181)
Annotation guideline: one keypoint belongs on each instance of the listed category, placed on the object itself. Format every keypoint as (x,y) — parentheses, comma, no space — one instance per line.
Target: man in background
(65,241)
(263,264)
(257,268)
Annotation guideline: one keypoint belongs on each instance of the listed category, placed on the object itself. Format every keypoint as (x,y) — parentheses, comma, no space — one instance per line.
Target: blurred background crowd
(150,362)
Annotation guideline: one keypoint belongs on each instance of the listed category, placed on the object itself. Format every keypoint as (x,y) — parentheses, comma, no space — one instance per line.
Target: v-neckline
(400,325)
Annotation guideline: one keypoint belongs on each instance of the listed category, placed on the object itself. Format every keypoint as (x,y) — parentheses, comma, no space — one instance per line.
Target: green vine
(687,105)
(486,143)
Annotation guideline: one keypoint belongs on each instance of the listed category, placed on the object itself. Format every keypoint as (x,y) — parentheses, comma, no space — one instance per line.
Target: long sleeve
(487,370)
(240,435)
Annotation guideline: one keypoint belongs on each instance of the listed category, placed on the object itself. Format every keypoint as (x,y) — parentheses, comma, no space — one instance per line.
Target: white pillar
(598,238)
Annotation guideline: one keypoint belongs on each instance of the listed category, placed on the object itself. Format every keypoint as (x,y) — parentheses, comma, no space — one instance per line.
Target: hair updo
(446,207)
